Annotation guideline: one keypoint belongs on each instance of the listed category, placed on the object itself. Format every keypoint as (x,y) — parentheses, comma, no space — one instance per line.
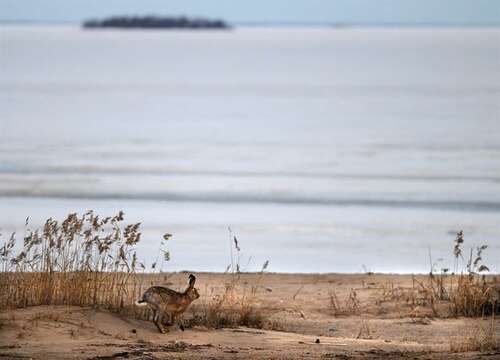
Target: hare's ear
(191,280)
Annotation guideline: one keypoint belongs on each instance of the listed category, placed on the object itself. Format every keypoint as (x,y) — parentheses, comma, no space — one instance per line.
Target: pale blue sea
(324,149)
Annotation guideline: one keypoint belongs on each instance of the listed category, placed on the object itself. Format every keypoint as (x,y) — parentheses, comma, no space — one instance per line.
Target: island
(156,22)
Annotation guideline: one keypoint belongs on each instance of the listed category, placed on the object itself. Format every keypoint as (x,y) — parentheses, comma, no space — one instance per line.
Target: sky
(441,12)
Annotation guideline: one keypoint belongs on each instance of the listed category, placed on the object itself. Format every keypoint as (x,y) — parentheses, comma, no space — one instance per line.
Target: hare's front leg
(157,318)
(176,318)
(166,319)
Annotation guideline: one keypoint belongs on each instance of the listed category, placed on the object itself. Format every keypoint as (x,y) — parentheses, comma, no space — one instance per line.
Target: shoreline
(297,311)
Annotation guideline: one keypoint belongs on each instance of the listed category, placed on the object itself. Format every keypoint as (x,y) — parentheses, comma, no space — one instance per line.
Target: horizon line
(282,23)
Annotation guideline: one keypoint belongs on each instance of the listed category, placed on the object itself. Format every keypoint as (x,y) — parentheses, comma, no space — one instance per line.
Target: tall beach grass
(83,260)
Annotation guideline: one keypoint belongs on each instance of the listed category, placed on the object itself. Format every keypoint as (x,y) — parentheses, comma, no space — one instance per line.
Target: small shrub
(237,304)
(350,305)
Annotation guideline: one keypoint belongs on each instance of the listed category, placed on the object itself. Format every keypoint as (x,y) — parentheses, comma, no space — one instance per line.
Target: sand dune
(300,307)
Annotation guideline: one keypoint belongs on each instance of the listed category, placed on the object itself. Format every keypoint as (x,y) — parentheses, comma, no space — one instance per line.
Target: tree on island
(156,22)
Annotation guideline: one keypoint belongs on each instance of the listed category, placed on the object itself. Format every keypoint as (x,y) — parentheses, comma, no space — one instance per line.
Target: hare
(168,304)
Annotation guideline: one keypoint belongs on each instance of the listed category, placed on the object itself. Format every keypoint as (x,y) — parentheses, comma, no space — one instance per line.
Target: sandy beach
(298,316)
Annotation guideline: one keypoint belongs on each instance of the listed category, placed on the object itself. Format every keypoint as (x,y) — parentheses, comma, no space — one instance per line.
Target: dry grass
(91,261)
(237,304)
(466,292)
(83,260)
(364,330)
(348,306)
(219,313)
(473,296)
(480,337)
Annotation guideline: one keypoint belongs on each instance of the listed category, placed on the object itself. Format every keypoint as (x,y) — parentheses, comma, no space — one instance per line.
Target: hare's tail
(141,302)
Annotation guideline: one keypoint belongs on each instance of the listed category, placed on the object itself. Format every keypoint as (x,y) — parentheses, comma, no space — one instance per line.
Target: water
(323,149)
